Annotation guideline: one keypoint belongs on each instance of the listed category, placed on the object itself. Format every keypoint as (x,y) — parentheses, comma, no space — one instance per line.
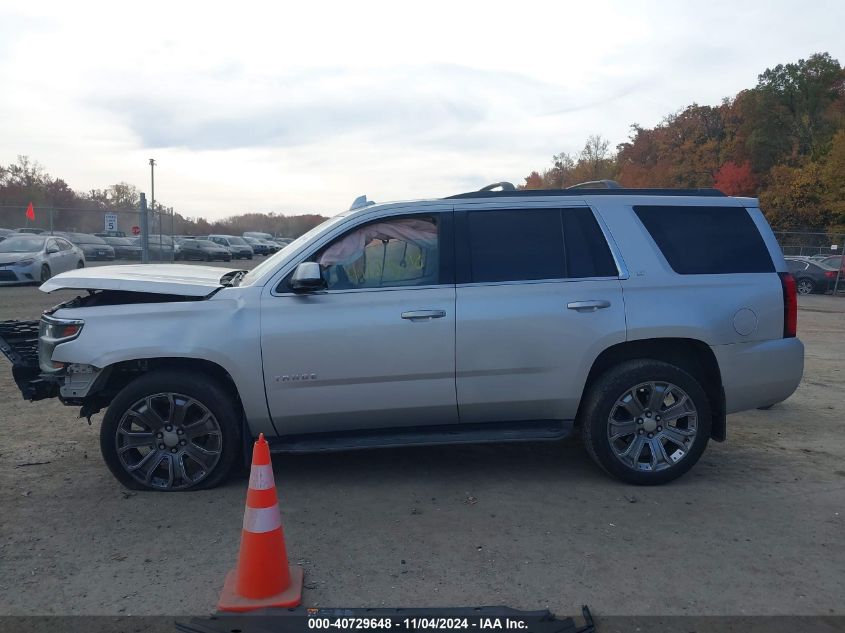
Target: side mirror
(52,249)
(307,278)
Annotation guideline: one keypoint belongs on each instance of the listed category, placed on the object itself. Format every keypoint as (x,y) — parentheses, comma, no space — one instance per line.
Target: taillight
(790,305)
(830,274)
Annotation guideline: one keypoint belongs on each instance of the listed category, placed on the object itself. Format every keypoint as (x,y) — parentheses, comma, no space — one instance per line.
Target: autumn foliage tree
(735,180)
(782,140)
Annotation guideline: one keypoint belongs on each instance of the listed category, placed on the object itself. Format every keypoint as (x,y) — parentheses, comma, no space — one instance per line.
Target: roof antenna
(361,202)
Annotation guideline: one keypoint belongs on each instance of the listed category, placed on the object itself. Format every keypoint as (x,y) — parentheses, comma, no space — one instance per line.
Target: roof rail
(621,191)
(597,184)
(504,186)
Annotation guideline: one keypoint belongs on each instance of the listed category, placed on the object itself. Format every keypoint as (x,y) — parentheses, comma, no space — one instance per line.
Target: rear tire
(631,409)
(805,286)
(168,431)
(80,264)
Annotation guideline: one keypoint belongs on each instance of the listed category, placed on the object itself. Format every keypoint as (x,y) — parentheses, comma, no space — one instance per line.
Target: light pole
(152,184)
(153,200)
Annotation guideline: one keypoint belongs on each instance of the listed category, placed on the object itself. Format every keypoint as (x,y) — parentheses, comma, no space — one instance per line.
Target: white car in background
(27,258)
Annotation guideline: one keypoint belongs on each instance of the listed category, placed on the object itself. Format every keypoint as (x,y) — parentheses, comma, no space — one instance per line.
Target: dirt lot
(758,527)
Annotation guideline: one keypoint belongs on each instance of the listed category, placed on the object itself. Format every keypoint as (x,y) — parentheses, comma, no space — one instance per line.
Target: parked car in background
(204,250)
(124,248)
(274,248)
(160,251)
(283,241)
(834,261)
(237,245)
(95,248)
(259,247)
(110,234)
(30,230)
(259,235)
(26,258)
(811,276)
(166,248)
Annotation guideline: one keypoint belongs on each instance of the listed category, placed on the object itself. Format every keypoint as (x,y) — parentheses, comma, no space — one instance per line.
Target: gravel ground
(757,527)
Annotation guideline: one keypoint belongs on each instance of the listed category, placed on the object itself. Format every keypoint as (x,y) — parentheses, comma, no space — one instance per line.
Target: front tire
(166,431)
(45,273)
(645,421)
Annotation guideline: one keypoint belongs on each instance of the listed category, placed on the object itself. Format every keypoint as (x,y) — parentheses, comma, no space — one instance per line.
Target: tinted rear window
(532,244)
(587,253)
(707,240)
(516,245)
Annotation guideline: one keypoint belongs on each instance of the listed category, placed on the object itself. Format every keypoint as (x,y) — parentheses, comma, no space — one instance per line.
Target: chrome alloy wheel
(168,441)
(652,426)
(804,287)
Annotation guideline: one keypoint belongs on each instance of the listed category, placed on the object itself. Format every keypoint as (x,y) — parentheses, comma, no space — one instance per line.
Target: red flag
(30,213)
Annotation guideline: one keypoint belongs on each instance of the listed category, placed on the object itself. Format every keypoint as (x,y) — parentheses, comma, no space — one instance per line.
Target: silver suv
(639,318)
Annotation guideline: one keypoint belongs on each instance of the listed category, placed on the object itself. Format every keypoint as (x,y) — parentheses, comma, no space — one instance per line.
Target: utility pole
(153,184)
(145,231)
(153,202)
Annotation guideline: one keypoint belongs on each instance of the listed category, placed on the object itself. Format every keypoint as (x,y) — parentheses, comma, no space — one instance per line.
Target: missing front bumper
(19,343)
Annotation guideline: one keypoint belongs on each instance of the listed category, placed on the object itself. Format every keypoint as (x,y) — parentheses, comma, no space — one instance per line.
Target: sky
(302,107)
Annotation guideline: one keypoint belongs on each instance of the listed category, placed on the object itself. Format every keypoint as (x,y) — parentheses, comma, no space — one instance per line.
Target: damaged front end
(19,343)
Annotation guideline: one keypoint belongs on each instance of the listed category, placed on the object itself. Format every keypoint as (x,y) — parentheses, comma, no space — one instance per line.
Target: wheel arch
(691,355)
(116,376)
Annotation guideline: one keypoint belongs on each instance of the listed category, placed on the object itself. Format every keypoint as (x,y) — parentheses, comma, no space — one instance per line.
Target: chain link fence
(113,223)
(825,249)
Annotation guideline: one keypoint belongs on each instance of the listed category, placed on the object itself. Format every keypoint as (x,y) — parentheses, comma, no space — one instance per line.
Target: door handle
(588,306)
(423,315)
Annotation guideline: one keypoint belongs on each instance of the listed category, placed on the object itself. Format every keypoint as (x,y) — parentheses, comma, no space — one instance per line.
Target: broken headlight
(52,332)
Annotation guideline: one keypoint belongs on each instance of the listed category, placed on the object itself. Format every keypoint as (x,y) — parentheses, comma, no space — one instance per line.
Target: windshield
(236,240)
(22,244)
(274,260)
(118,241)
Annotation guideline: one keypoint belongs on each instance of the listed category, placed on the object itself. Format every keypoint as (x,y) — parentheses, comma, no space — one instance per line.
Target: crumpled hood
(175,279)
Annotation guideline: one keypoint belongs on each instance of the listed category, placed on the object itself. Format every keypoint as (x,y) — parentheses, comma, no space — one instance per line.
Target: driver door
(376,349)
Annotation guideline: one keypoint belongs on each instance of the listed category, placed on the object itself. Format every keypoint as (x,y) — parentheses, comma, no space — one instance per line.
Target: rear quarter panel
(660,303)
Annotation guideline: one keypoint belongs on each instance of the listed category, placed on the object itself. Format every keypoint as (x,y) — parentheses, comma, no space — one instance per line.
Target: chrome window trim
(475,284)
(357,290)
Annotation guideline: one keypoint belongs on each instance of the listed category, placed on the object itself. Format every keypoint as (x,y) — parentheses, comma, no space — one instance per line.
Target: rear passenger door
(538,298)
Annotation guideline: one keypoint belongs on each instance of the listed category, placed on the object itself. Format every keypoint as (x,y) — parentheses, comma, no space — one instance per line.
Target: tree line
(782,141)
(25,181)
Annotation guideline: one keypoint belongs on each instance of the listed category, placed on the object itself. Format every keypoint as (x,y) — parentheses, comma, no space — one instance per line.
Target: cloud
(439,105)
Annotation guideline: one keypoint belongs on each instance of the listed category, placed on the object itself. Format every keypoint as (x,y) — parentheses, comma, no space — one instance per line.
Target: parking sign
(111,222)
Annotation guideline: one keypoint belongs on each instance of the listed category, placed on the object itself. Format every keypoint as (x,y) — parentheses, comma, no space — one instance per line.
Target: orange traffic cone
(263,577)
